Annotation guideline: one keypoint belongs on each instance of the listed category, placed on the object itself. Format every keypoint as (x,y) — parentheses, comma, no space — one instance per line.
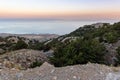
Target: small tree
(111,37)
(79,52)
(36,64)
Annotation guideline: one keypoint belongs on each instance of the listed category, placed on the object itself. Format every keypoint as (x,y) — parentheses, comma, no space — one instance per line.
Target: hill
(11,42)
(96,43)
(95,46)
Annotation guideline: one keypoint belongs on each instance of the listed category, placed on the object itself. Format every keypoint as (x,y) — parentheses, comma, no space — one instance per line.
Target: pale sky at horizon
(60,9)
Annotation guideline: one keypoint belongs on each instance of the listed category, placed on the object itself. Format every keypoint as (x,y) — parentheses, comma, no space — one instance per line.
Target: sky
(60,9)
(55,16)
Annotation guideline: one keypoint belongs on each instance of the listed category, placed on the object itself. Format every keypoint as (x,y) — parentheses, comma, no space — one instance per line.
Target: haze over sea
(43,26)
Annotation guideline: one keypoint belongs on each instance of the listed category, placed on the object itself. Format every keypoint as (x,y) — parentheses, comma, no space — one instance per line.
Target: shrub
(20,45)
(36,64)
(79,52)
(111,37)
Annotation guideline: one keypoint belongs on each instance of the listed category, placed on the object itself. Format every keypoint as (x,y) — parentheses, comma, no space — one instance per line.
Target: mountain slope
(96,43)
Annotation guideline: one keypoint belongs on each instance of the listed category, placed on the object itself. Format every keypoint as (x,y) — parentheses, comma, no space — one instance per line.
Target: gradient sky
(60,9)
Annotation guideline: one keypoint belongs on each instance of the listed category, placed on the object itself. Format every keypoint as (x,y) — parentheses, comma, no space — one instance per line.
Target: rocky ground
(49,72)
(21,59)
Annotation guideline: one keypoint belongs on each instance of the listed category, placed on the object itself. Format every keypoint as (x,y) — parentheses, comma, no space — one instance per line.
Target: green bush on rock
(79,52)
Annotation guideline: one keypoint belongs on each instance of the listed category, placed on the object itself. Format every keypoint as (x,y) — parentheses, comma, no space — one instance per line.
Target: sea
(45,27)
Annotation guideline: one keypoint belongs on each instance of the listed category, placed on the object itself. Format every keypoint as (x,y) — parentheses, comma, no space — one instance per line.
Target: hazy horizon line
(52,19)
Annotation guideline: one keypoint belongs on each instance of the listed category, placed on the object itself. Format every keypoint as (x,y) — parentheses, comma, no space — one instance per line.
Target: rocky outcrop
(21,59)
(49,72)
(112,53)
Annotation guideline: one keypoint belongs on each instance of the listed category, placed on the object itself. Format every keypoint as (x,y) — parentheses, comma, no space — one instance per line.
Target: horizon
(45,27)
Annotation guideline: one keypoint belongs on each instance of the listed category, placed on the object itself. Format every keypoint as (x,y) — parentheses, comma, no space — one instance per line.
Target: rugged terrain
(80,55)
(22,59)
(12,42)
(95,43)
(49,72)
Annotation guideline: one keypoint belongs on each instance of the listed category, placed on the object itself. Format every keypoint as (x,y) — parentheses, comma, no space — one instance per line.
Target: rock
(49,72)
(19,75)
(74,77)
(55,78)
(113,76)
(52,71)
(22,59)
(2,51)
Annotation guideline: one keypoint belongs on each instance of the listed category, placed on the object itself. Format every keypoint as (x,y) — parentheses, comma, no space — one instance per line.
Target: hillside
(88,53)
(96,43)
(11,42)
